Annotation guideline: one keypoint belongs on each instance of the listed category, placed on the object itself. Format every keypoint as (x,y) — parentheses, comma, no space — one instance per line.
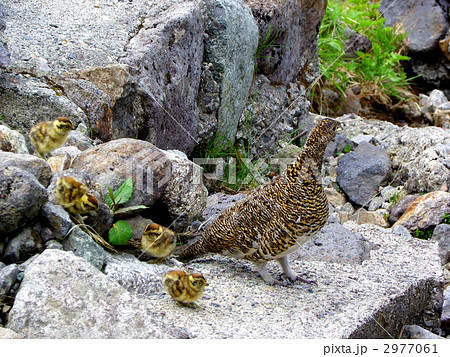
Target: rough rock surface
(185,194)
(62,296)
(361,172)
(4,53)
(167,54)
(12,141)
(37,167)
(8,276)
(406,147)
(23,246)
(426,211)
(82,245)
(441,234)
(229,25)
(21,197)
(335,244)
(21,95)
(445,319)
(288,59)
(400,207)
(57,219)
(424,21)
(271,115)
(110,164)
(348,301)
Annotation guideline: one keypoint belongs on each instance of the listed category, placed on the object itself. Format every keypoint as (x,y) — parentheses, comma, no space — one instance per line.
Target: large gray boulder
(424,21)
(63,296)
(231,35)
(21,197)
(293,27)
(361,172)
(110,164)
(167,54)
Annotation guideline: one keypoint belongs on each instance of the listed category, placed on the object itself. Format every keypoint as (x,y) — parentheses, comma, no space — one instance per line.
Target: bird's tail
(194,250)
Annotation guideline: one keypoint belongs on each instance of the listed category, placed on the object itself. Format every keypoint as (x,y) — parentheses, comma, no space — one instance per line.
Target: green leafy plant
(378,73)
(265,44)
(121,232)
(424,233)
(446,218)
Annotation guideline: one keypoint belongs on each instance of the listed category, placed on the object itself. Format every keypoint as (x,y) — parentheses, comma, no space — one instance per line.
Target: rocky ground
(358,259)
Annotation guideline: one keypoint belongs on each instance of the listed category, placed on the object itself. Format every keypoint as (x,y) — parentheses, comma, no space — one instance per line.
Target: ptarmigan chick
(74,196)
(158,241)
(276,218)
(183,287)
(50,135)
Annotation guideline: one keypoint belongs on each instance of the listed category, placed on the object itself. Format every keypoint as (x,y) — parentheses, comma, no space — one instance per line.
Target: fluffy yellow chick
(183,287)
(158,241)
(50,135)
(74,196)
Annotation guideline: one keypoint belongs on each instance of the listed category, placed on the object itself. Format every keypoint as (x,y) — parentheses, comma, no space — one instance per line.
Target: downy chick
(183,287)
(50,135)
(158,241)
(74,196)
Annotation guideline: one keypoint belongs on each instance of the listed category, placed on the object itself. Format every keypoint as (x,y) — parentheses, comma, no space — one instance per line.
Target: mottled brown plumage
(184,287)
(276,218)
(50,135)
(158,241)
(74,196)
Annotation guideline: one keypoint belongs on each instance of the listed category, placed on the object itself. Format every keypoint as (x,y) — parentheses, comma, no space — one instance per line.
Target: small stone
(426,211)
(401,231)
(441,234)
(376,203)
(57,218)
(417,332)
(23,246)
(84,246)
(445,317)
(400,207)
(335,198)
(8,277)
(362,216)
(53,244)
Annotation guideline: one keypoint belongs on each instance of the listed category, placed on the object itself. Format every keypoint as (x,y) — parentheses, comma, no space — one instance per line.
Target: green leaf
(124,192)
(120,233)
(109,198)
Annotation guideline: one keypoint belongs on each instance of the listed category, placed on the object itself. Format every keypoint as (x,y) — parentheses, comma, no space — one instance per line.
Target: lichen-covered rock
(63,296)
(361,172)
(83,245)
(32,164)
(23,246)
(12,141)
(430,171)
(426,211)
(229,25)
(62,158)
(21,197)
(4,53)
(185,194)
(110,164)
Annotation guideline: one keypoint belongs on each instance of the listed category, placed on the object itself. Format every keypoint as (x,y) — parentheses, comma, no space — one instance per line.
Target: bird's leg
(262,270)
(289,273)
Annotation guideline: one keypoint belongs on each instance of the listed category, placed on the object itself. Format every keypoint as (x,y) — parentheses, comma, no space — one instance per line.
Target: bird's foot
(299,278)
